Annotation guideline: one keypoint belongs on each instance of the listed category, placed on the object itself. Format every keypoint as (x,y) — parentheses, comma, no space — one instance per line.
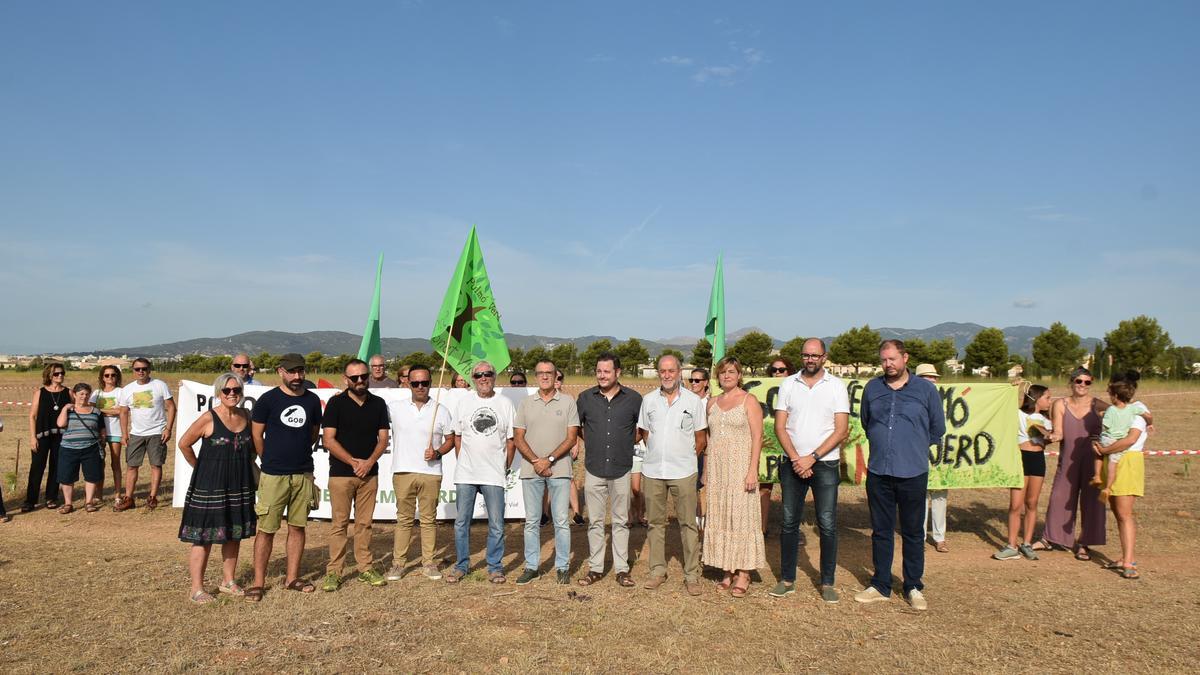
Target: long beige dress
(733,523)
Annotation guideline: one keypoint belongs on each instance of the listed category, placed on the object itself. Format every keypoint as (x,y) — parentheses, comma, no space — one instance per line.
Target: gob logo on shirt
(293,416)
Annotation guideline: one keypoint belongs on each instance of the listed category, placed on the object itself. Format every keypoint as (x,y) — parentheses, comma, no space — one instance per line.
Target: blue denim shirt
(900,425)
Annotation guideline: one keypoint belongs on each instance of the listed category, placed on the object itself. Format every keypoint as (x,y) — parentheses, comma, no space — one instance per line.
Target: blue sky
(177,170)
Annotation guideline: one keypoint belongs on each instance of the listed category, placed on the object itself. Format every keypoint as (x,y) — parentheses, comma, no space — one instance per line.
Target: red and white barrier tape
(15,403)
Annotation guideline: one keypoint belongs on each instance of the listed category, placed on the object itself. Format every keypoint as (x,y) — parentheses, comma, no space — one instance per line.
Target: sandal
(51,504)
(624,580)
(254,594)
(1043,545)
(65,509)
(202,598)
(740,591)
(454,576)
(1081,553)
(1113,565)
(590,578)
(232,589)
(725,583)
(301,586)
(1130,572)
(92,507)
(5,518)
(497,578)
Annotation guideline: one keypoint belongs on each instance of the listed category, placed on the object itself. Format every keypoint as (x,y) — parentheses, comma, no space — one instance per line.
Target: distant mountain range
(1019,338)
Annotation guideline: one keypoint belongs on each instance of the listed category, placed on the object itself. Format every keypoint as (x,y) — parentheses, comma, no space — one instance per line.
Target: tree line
(1138,344)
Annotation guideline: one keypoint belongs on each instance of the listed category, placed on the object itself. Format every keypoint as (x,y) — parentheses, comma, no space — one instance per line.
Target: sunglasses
(231,390)
(110,375)
(358,378)
(57,373)
(518,383)
(773,369)
(137,370)
(1080,380)
(241,365)
(418,384)
(482,374)
(695,380)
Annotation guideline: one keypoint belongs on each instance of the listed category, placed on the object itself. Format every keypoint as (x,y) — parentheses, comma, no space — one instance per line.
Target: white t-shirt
(811,410)
(147,413)
(1139,423)
(410,435)
(1026,420)
(485,425)
(107,400)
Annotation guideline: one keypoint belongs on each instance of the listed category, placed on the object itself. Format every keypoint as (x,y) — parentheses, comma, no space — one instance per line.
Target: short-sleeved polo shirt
(545,424)
(411,427)
(609,428)
(671,445)
(811,409)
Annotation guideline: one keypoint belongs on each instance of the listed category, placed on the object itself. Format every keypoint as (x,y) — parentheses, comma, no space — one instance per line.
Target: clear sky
(173,170)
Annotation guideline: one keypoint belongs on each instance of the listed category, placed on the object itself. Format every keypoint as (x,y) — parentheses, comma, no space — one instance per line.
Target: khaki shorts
(279,493)
(141,447)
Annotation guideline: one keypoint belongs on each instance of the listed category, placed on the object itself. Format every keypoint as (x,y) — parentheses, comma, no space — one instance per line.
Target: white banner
(195,399)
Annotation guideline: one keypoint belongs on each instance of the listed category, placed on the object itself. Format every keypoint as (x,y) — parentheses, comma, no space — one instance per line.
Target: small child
(1118,419)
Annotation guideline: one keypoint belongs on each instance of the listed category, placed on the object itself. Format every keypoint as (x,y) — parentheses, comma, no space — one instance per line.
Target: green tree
(988,349)
(566,357)
(587,360)
(265,363)
(217,364)
(312,362)
(792,349)
(632,354)
(918,352)
(516,358)
(673,352)
(1099,361)
(191,363)
(938,352)
(1057,349)
(855,347)
(753,350)
(431,360)
(702,354)
(535,354)
(1135,343)
(1177,362)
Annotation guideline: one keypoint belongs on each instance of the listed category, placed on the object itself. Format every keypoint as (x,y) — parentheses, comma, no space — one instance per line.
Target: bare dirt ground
(108,591)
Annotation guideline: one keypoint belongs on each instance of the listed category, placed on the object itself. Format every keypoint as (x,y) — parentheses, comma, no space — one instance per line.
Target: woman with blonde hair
(105,396)
(733,538)
(219,506)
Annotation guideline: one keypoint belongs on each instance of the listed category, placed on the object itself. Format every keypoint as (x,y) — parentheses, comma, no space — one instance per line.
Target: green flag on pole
(714,326)
(370,345)
(468,329)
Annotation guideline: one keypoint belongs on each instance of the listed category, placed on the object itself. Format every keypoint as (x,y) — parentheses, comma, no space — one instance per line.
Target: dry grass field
(108,592)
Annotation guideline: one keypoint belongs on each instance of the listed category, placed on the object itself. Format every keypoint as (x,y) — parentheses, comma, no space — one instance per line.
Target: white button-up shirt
(810,411)
(671,445)
(410,435)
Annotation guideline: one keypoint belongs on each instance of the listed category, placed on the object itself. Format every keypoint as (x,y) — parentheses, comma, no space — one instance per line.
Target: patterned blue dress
(219,506)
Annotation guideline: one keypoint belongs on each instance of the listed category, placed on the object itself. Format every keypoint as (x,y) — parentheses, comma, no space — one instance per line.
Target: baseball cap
(927,370)
(291,361)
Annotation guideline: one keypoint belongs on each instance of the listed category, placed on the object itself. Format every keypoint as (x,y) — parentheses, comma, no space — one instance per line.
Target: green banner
(978,450)
(467,329)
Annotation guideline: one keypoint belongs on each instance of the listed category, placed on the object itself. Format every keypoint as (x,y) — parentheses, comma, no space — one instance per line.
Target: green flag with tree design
(468,329)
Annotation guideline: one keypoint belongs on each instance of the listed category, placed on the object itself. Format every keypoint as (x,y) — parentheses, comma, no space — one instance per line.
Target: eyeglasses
(774,369)
(378,365)
(228,391)
(481,374)
(544,373)
(358,378)
(109,375)
(812,356)
(418,384)
(136,369)
(1080,380)
(240,365)
(696,380)
(559,378)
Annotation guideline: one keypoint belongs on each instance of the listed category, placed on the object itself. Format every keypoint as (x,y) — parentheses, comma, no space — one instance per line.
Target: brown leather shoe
(942,547)
(654,582)
(152,503)
(123,504)
(623,579)
(693,587)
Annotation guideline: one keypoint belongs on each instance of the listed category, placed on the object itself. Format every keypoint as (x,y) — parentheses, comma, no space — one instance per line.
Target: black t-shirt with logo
(357,429)
(287,441)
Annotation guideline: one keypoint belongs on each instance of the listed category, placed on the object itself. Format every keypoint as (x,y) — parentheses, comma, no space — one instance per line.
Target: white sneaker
(870,594)
(917,600)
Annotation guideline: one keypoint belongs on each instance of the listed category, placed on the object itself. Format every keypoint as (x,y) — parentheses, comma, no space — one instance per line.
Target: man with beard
(812,418)
(355,434)
(902,416)
(483,444)
(285,423)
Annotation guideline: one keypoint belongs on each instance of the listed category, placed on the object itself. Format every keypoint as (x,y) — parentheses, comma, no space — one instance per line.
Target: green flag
(467,329)
(714,326)
(370,341)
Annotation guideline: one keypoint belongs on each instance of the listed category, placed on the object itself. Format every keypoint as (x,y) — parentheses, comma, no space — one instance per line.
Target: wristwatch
(550,458)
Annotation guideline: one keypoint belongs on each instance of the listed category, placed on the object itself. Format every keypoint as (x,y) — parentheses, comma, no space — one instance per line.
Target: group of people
(684,449)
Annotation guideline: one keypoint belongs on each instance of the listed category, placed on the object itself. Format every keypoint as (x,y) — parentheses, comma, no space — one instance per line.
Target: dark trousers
(824,484)
(887,495)
(45,458)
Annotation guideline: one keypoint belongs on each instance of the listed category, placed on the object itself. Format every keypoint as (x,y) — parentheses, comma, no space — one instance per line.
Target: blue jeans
(824,484)
(886,495)
(560,501)
(493,502)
